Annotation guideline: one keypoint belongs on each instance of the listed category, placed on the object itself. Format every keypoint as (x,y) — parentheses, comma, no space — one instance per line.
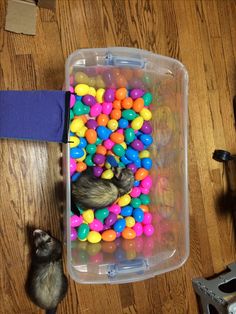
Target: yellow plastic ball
(144,154)
(112,124)
(107,165)
(81,89)
(99,95)
(74,141)
(91,82)
(94,237)
(124,200)
(130,221)
(88,216)
(107,174)
(81,77)
(99,82)
(137,123)
(124,145)
(146,114)
(82,131)
(92,91)
(76,124)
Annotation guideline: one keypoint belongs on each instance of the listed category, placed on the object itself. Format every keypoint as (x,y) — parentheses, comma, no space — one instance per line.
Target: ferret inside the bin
(88,191)
(46,284)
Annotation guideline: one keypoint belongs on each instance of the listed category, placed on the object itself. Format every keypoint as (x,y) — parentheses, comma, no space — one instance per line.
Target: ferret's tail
(51,311)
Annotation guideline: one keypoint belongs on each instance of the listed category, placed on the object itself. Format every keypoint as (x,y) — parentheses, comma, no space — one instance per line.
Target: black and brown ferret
(46,284)
(92,192)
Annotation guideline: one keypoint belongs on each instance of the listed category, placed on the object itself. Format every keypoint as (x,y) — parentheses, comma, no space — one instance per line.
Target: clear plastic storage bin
(124,261)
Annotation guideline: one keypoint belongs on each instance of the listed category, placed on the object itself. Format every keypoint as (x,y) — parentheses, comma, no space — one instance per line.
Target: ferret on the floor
(92,192)
(46,284)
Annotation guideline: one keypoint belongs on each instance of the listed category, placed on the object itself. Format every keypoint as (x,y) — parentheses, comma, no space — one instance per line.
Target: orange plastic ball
(84,118)
(117,138)
(81,166)
(101,150)
(127,103)
(91,136)
(121,81)
(115,114)
(145,208)
(138,104)
(102,119)
(128,233)
(121,93)
(109,235)
(141,174)
(117,104)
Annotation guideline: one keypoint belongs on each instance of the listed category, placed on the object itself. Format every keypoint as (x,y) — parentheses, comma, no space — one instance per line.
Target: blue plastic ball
(146,163)
(78,97)
(137,163)
(131,154)
(146,139)
(83,143)
(72,134)
(138,214)
(112,161)
(126,211)
(103,132)
(123,123)
(76,152)
(119,226)
(136,183)
(75,176)
(125,160)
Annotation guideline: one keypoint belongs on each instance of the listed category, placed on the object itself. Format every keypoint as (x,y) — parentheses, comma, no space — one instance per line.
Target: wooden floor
(201,34)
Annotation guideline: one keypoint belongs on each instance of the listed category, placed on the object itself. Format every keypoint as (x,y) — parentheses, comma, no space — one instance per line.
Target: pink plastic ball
(145,190)
(138,228)
(73,234)
(147,182)
(96,225)
(121,131)
(95,110)
(147,219)
(72,166)
(107,107)
(148,230)
(136,191)
(76,221)
(71,89)
(108,144)
(72,100)
(115,208)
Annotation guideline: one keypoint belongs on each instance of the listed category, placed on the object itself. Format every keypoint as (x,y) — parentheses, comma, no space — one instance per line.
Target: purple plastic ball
(111,219)
(136,93)
(109,95)
(132,167)
(99,159)
(73,234)
(97,171)
(146,128)
(137,145)
(92,124)
(89,100)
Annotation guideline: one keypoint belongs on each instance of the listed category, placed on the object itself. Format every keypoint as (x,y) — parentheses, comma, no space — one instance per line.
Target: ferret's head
(123,179)
(45,246)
